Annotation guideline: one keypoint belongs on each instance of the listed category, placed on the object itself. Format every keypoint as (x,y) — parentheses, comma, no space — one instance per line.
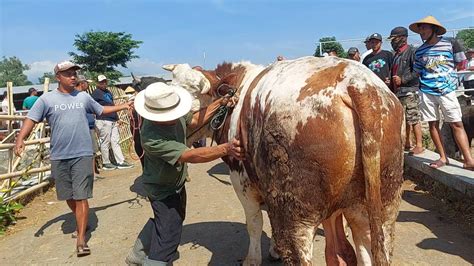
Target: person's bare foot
(468,166)
(417,150)
(438,163)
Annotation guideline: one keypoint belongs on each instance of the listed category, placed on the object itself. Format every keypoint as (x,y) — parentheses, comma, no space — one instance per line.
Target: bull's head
(194,81)
(141,83)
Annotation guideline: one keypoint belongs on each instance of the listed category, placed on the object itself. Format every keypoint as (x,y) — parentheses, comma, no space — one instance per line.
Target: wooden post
(46,85)
(42,134)
(10,128)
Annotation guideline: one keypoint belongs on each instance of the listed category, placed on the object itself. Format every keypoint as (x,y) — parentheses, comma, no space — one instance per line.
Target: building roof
(24,89)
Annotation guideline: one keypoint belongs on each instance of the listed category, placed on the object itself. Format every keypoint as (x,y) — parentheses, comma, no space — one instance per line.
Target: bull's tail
(367,105)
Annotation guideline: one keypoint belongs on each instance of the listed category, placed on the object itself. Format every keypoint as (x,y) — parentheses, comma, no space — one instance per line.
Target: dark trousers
(169,215)
(469,84)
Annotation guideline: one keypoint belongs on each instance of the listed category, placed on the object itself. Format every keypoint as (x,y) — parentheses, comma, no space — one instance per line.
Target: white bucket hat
(161,102)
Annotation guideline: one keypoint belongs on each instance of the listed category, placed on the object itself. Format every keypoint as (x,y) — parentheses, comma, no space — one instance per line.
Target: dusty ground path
(214,232)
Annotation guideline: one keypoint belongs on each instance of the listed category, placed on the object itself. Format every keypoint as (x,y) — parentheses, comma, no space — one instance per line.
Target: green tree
(331,45)
(11,69)
(103,51)
(467,38)
(50,75)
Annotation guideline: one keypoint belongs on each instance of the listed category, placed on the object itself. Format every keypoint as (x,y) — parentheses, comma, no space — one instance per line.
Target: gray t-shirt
(66,115)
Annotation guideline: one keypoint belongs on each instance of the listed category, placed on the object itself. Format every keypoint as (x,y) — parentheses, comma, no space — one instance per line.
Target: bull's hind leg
(338,250)
(358,220)
(253,217)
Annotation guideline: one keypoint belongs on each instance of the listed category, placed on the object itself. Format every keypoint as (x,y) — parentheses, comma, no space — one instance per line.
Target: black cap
(398,31)
(376,36)
(31,90)
(352,50)
(367,39)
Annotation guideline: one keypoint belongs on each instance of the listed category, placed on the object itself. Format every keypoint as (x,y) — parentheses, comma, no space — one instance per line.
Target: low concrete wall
(452,175)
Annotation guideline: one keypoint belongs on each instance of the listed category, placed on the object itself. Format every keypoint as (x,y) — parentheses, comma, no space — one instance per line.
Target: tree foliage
(50,75)
(331,45)
(467,38)
(102,52)
(11,69)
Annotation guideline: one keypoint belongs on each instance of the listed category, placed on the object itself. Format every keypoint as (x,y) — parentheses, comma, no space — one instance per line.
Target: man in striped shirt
(436,62)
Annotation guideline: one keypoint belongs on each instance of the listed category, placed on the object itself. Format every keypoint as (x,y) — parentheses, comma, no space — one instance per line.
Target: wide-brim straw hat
(161,102)
(440,30)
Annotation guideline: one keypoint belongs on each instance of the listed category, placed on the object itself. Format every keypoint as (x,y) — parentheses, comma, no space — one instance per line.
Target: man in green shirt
(166,113)
(30,100)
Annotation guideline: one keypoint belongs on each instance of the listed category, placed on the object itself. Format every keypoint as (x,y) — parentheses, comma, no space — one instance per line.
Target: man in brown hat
(436,61)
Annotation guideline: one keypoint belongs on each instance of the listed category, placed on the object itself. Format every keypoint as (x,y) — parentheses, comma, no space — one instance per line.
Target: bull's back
(303,135)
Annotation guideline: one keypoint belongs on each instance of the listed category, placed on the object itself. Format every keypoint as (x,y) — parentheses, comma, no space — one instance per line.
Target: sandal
(438,163)
(83,250)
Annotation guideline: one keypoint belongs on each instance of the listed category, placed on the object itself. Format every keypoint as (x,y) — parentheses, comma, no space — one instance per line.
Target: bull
(323,136)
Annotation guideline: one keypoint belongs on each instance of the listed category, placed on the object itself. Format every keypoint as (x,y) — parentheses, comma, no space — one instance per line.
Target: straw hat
(440,30)
(161,102)
(129,89)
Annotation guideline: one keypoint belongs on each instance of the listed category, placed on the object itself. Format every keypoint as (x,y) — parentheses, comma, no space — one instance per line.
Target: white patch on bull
(282,85)
(192,80)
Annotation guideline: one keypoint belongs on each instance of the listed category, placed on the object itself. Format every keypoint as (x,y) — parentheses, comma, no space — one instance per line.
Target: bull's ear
(170,67)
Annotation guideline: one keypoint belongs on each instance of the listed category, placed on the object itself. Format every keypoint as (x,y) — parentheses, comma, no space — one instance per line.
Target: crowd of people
(424,80)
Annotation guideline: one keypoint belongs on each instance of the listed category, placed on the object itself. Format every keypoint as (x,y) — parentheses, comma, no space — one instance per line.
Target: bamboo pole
(28,190)
(10,128)
(5,146)
(12,117)
(46,85)
(20,173)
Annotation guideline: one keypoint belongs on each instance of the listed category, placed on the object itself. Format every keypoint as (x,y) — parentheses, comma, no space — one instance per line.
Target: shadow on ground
(446,241)
(69,221)
(219,169)
(227,241)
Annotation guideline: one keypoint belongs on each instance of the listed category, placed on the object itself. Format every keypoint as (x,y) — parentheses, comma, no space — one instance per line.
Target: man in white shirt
(469,78)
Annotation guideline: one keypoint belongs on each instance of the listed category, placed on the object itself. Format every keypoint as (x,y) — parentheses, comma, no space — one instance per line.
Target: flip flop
(82,250)
(438,163)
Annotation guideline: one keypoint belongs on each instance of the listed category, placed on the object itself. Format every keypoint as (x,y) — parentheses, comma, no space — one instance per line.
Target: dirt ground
(214,231)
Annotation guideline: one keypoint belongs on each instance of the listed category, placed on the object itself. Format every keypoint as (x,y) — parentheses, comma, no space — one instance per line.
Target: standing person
(469,78)
(166,112)
(353,54)
(71,151)
(436,61)
(82,84)
(30,100)
(405,86)
(5,103)
(108,128)
(379,61)
(368,47)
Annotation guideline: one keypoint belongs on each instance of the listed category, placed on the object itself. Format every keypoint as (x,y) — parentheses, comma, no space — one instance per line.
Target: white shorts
(430,105)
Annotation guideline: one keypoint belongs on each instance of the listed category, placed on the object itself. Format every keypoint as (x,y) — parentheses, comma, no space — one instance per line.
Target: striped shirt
(435,65)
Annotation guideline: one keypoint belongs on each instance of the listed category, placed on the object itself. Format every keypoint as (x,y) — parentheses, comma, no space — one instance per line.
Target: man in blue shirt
(71,150)
(108,128)
(436,61)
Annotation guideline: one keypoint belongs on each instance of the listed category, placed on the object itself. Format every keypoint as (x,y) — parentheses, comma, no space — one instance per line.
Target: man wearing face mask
(405,85)
(436,61)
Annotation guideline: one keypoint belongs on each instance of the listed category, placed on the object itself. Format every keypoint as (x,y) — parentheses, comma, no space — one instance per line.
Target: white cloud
(457,14)
(37,69)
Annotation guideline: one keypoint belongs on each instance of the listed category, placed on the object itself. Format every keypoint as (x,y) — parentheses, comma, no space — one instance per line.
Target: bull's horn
(135,78)
(169,67)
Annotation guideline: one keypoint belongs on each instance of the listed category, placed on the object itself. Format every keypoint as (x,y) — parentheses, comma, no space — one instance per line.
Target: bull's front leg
(253,217)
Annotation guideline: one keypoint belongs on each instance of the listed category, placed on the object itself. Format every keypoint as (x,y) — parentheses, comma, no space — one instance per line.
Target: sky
(208,32)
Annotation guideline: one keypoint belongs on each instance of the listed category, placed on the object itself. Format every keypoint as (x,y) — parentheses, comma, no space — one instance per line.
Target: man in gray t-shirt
(71,147)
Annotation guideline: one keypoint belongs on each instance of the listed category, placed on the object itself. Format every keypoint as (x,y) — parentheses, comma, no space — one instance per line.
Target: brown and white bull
(322,135)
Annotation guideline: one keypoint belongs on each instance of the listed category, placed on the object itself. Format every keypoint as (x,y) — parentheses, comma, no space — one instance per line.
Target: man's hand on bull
(229,101)
(236,150)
